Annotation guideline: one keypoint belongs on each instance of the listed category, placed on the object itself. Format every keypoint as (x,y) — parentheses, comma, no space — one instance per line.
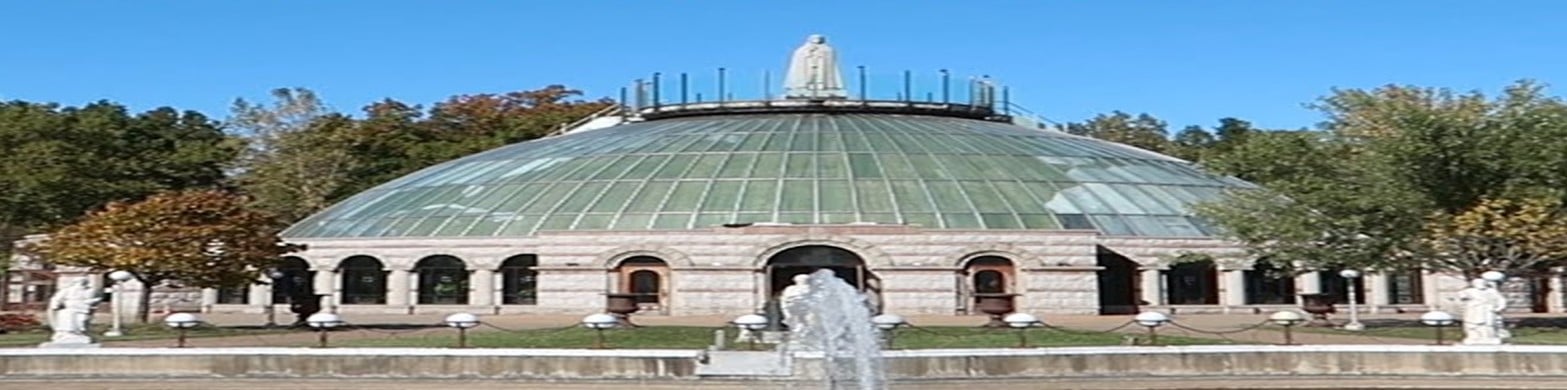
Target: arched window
(519,280)
(442,281)
(1267,285)
(295,281)
(1404,287)
(989,282)
(1194,283)
(644,276)
(364,281)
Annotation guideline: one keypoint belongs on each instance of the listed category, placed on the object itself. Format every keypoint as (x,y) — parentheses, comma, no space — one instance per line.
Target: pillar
(1308,283)
(1152,290)
(1232,288)
(209,297)
(260,295)
(481,283)
(1553,301)
(326,285)
(1378,295)
(397,287)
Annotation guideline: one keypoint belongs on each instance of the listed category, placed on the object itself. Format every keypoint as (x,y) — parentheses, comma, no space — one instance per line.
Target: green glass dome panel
(704,171)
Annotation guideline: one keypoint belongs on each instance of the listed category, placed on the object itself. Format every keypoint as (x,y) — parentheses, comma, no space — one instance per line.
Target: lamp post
(1437,319)
(1021,322)
(270,309)
(181,322)
(324,322)
(462,321)
(1495,278)
(1354,314)
(750,323)
(1151,320)
(889,324)
(1287,319)
(119,278)
(599,322)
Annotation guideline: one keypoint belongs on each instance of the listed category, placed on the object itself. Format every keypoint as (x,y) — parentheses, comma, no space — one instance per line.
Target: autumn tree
(201,238)
(1497,234)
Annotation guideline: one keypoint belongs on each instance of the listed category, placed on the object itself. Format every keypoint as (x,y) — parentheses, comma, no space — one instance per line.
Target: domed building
(711,207)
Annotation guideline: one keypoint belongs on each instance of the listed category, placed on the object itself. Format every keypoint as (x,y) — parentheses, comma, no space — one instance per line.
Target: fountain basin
(902,366)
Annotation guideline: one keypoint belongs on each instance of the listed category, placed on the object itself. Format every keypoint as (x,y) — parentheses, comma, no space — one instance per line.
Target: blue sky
(1189,62)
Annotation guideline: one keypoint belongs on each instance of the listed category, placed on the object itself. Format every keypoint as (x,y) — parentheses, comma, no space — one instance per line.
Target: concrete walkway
(1233,327)
(1300,383)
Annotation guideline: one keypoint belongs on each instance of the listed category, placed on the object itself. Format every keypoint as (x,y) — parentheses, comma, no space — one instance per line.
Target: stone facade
(721,271)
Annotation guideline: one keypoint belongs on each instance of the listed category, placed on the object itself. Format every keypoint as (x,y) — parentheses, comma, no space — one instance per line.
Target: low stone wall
(683,365)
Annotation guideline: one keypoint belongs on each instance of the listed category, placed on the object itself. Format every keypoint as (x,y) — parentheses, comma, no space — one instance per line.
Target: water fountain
(834,319)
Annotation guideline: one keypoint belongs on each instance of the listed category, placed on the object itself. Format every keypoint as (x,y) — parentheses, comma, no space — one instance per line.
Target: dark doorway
(1539,294)
(1268,285)
(1337,286)
(1192,283)
(782,267)
(1118,283)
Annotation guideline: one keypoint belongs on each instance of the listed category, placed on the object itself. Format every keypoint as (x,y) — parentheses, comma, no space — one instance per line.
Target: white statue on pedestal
(70,313)
(813,72)
(1483,306)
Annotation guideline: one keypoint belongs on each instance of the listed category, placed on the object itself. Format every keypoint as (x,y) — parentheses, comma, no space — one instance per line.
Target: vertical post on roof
(973,97)
(721,85)
(655,91)
(641,94)
(1006,100)
(767,85)
(622,100)
(864,83)
(946,87)
(908,85)
(683,89)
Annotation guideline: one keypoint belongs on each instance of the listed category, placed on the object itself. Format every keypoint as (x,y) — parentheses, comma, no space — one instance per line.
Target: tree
(1143,131)
(56,163)
(1497,234)
(1191,143)
(304,171)
(202,238)
(1363,192)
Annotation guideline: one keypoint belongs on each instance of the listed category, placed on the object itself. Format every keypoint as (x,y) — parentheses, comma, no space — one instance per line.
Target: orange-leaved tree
(201,238)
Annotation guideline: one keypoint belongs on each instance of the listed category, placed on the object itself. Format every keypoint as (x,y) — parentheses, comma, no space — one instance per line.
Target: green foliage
(1143,131)
(1383,185)
(58,162)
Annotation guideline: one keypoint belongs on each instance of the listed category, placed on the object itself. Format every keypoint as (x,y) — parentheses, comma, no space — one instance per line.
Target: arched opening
(442,281)
(644,276)
(1337,287)
(364,281)
(1268,285)
(1193,283)
(1404,287)
(781,268)
(519,280)
(986,275)
(296,282)
(1120,283)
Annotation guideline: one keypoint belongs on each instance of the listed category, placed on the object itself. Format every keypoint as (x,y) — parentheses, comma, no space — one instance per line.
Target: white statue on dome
(813,72)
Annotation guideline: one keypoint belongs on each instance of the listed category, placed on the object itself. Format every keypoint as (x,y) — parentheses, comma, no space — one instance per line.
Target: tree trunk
(144,307)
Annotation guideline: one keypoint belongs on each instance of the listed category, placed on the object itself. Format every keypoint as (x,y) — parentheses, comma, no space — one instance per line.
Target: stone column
(1377,292)
(1308,283)
(1152,290)
(1232,284)
(260,295)
(1553,301)
(209,297)
(481,284)
(397,287)
(326,283)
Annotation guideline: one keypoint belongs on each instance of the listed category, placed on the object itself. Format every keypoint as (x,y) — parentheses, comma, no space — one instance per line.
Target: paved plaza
(1322,383)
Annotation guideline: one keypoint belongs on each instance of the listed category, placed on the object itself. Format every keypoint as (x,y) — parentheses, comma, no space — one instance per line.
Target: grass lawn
(1451,334)
(681,337)
(132,332)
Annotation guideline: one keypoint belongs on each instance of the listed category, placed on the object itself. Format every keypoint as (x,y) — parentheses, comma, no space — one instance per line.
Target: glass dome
(802,168)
